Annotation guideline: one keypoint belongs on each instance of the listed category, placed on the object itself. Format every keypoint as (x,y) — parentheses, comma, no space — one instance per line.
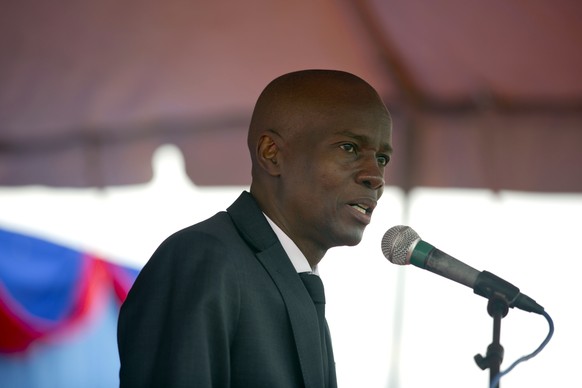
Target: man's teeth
(359,208)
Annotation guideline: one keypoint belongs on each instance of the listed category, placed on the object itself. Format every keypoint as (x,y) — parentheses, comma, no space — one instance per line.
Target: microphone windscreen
(396,243)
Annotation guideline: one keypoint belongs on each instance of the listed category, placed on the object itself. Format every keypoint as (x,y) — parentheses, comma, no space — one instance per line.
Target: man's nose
(372,174)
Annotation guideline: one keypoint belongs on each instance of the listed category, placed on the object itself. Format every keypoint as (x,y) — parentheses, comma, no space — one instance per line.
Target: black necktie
(314,286)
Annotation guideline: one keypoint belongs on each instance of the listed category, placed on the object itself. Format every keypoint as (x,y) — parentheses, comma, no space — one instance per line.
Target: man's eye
(383,160)
(348,147)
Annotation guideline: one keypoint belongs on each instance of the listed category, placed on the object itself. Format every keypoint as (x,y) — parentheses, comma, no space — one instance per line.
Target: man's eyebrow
(385,147)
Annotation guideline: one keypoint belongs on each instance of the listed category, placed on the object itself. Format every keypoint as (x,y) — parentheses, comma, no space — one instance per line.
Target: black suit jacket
(219,304)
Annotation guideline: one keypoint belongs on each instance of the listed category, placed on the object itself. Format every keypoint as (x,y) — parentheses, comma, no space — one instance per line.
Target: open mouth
(362,208)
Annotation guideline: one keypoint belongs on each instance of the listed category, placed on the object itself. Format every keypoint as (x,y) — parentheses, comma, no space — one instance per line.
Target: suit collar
(251,223)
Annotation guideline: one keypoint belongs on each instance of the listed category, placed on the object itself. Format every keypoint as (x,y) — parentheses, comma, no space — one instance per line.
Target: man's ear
(268,153)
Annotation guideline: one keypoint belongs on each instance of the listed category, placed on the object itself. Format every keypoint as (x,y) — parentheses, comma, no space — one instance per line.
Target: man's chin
(353,239)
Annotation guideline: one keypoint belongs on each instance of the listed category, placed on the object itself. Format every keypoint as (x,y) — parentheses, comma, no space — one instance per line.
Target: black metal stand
(497,309)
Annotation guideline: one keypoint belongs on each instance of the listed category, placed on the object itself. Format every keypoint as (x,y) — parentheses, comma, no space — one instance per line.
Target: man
(221,303)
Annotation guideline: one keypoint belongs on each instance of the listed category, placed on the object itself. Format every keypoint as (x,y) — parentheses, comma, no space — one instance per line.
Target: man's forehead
(310,100)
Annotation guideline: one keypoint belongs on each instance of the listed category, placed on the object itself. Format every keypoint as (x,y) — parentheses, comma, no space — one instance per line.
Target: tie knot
(314,286)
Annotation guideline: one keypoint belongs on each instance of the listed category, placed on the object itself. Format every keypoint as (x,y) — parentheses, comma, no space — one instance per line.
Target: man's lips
(364,206)
(361,208)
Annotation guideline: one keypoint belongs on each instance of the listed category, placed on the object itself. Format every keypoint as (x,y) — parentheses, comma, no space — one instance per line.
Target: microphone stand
(497,308)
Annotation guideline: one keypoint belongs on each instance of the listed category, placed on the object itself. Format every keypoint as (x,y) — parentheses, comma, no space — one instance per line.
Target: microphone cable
(495,380)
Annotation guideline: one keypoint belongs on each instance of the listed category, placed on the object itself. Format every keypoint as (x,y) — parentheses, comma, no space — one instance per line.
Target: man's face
(333,173)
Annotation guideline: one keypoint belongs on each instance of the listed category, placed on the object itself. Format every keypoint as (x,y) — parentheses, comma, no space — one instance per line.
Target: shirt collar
(297,257)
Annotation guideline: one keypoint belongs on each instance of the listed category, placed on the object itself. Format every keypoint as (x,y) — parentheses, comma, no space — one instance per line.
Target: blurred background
(121,122)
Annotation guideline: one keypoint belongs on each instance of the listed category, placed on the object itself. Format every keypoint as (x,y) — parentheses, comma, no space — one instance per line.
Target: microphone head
(396,243)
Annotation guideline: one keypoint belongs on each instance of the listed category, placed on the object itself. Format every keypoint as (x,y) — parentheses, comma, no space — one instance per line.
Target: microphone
(402,245)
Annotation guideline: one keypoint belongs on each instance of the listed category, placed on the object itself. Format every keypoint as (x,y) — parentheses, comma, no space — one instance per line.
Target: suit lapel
(302,315)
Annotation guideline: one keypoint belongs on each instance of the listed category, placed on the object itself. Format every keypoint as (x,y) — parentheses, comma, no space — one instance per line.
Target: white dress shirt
(297,257)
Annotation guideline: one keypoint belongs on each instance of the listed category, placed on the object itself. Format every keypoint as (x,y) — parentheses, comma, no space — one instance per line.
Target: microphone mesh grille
(396,242)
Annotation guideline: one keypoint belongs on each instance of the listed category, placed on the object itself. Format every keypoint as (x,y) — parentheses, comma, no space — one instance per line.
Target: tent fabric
(46,288)
(90,89)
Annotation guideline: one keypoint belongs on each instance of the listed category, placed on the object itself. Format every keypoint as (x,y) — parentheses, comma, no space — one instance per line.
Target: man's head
(319,141)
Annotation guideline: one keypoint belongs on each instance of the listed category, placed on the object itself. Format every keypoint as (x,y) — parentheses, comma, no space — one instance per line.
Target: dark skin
(319,143)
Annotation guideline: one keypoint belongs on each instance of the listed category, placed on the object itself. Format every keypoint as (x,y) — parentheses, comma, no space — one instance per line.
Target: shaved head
(292,100)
